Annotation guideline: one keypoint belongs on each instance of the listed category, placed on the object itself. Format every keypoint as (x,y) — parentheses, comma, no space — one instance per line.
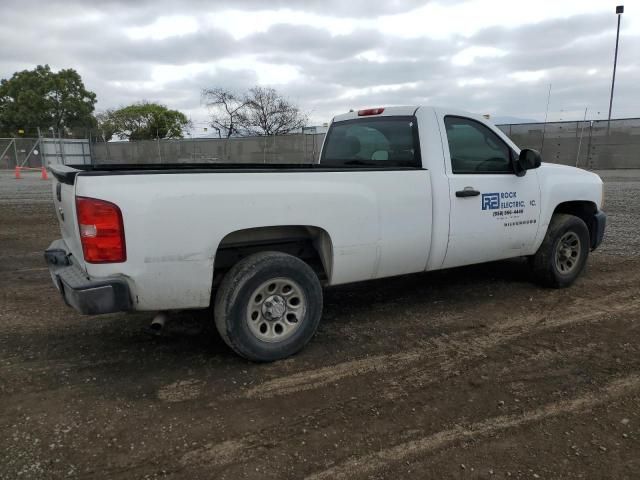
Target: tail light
(101,231)
(370,111)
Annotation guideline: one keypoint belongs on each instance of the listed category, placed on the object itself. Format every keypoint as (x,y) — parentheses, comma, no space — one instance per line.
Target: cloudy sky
(487,56)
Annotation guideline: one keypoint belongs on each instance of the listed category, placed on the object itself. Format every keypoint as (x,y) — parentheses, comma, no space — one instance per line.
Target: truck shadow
(194,332)
(195,329)
(451,285)
(117,350)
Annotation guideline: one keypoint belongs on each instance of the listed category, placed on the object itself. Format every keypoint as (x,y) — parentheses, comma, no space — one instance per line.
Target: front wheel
(268,306)
(563,253)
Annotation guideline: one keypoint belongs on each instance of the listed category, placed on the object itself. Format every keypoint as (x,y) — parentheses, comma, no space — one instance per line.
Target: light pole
(619,12)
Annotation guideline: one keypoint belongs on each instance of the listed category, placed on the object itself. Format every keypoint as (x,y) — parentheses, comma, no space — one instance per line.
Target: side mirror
(527,160)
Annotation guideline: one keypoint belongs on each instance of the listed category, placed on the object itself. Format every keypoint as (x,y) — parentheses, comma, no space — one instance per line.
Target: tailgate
(64,196)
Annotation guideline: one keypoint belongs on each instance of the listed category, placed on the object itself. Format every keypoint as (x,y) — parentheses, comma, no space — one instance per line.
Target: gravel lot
(469,373)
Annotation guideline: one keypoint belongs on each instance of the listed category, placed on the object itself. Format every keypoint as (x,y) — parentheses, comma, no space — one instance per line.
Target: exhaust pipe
(158,322)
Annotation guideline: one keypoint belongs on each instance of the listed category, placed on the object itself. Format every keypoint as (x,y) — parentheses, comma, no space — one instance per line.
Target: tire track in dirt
(218,454)
(459,351)
(445,352)
(318,378)
(368,464)
(244,447)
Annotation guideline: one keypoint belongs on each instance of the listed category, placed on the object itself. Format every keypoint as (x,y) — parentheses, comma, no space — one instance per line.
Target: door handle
(467,192)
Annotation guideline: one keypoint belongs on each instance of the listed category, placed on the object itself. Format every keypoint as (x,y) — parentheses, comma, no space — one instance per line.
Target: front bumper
(599,224)
(88,296)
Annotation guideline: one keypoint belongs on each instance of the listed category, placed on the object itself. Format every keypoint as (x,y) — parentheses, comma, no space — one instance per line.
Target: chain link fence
(22,152)
(35,147)
(596,144)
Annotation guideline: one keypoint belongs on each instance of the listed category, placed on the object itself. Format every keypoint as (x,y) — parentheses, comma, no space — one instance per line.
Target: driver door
(494,213)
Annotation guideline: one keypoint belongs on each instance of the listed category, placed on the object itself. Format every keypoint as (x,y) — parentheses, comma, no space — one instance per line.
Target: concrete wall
(297,148)
(591,145)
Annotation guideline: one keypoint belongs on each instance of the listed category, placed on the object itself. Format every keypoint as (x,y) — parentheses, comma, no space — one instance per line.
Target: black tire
(233,306)
(547,263)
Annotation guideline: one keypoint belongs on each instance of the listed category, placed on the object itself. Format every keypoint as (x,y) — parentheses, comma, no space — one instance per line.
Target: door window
(474,148)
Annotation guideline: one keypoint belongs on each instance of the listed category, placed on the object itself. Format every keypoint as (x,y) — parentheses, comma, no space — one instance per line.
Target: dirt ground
(469,373)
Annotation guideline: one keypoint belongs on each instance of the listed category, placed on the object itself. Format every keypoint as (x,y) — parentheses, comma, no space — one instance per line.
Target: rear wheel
(563,253)
(268,306)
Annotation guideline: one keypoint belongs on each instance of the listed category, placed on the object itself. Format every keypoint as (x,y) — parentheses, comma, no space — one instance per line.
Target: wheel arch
(583,209)
(308,242)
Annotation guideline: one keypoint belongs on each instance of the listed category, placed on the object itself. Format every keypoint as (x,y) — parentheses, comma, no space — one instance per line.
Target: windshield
(381,141)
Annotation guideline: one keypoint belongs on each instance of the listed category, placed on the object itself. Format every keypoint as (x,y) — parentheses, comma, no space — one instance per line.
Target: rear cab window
(383,142)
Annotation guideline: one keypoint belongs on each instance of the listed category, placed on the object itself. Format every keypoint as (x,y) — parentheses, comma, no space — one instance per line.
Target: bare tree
(225,108)
(266,112)
(105,128)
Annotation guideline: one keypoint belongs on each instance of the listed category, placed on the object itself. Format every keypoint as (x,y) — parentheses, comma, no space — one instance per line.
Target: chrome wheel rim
(276,310)
(568,253)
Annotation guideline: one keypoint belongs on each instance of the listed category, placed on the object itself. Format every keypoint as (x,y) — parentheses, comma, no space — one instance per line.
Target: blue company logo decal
(490,201)
(501,200)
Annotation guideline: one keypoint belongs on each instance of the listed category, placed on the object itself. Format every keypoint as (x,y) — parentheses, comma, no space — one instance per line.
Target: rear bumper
(88,296)
(599,224)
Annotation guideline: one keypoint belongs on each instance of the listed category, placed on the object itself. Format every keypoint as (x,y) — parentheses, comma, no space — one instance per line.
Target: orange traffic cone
(18,177)
(43,174)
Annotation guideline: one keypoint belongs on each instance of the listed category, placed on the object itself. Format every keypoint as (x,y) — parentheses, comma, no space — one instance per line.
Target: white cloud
(473,82)
(444,19)
(267,74)
(363,92)
(372,56)
(470,54)
(242,23)
(163,74)
(488,56)
(528,76)
(164,27)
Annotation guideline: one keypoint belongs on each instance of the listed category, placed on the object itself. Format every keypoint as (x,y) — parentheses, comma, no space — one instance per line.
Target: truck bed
(177,216)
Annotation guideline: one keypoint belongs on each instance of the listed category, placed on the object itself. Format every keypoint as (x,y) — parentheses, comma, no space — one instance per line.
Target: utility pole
(619,12)
(42,157)
(584,120)
(546,114)
(15,152)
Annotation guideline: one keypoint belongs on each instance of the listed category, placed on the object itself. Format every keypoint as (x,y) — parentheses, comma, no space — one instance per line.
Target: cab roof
(387,112)
(407,110)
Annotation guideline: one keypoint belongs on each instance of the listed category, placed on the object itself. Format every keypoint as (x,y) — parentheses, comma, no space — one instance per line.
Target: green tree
(43,98)
(143,121)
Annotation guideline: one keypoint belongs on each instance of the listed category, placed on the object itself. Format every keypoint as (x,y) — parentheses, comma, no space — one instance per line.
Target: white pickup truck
(397,190)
